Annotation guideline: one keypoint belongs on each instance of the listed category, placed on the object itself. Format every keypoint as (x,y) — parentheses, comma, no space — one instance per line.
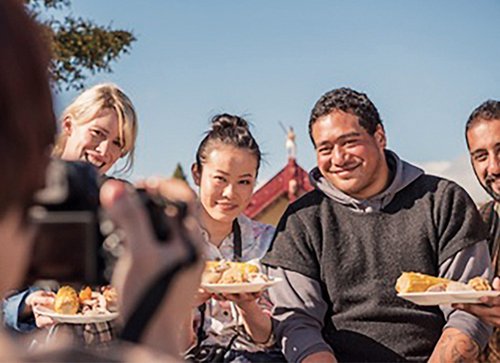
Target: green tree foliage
(79,47)
(179,173)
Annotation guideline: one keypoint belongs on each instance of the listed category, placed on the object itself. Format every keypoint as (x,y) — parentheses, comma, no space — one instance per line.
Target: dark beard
(487,186)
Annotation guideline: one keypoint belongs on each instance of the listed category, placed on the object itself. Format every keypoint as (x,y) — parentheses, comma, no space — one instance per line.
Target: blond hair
(92,101)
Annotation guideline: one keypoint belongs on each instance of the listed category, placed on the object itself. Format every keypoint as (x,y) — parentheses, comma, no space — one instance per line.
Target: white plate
(239,288)
(446,297)
(76,318)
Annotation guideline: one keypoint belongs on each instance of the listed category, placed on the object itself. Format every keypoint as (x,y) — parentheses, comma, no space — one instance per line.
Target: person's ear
(67,125)
(196,173)
(380,137)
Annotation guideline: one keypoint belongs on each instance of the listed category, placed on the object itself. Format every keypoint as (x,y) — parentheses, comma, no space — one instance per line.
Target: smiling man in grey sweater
(341,247)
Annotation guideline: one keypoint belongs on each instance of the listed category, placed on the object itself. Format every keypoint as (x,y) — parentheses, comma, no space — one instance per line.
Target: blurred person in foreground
(482,132)
(99,127)
(27,130)
(341,247)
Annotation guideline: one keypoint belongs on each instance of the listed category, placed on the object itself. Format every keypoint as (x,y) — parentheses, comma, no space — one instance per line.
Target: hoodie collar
(401,172)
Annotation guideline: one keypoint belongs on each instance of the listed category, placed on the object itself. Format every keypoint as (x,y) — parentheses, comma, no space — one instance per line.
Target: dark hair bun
(228,130)
(226,121)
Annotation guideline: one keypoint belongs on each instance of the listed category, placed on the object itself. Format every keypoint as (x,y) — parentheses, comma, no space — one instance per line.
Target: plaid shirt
(97,335)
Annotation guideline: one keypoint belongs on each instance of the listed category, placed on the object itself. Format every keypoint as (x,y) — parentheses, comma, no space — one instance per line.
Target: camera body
(69,244)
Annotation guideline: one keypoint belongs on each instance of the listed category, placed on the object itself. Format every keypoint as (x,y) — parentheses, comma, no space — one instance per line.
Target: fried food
(66,301)
(111,297)
(410,282)
(210,277)
(231,276)
(417,282)
(226,272)
(479,283)
(85,294)
(214,265)
(243,267)
(69,302)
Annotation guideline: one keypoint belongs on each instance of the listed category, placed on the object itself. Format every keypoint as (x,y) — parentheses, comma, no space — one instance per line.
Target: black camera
(74,242)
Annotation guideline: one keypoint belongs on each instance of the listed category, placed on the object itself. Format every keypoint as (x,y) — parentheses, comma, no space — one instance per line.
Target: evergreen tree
(179,173)
(79,47)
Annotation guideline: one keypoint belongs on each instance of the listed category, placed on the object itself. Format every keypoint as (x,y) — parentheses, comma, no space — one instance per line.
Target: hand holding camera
(157,270)
(71,226)
(145,258)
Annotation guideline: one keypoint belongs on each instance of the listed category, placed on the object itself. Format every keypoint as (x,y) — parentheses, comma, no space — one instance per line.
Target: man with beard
(483,140)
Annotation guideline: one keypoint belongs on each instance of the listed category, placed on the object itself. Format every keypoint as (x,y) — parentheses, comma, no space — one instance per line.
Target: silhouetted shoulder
(309,200)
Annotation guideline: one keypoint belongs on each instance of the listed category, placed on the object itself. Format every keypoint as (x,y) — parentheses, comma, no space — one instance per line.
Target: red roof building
(270,201)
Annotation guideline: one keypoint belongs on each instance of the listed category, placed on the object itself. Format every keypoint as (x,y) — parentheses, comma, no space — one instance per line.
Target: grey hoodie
(299,324)
(402,174)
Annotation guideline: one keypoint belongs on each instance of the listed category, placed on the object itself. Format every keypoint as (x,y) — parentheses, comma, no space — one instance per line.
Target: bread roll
(417,282)
(66,301)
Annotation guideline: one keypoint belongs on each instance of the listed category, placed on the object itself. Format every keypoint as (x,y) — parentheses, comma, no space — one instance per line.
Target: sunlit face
(97,142)
(484,147)
(226,182)
(352,160)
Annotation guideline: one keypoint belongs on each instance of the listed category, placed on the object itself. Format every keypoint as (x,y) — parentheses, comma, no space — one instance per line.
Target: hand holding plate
(489,308)
(40,298)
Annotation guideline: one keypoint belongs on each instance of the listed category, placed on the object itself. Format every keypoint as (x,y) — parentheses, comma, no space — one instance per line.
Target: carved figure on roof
(291,147)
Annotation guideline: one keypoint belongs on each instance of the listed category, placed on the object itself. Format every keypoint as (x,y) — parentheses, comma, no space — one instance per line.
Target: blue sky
(425,64)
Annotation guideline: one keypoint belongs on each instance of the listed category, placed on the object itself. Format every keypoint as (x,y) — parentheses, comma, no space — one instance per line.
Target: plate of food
(426,290)
(85,307)
(224,277)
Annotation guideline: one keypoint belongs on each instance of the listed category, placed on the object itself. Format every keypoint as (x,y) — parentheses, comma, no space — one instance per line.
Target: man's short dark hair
(489,110)
(350,101)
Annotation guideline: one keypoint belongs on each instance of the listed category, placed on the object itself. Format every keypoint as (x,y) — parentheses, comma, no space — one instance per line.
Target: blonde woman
(99,127)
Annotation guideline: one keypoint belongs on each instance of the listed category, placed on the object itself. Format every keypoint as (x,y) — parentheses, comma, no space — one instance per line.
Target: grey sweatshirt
(299,312)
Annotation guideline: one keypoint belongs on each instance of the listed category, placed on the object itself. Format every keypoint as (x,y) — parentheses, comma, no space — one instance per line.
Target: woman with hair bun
(230,327)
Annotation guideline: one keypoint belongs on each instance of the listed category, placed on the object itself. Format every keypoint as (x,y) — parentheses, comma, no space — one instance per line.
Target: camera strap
(152,298)
(237,254)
